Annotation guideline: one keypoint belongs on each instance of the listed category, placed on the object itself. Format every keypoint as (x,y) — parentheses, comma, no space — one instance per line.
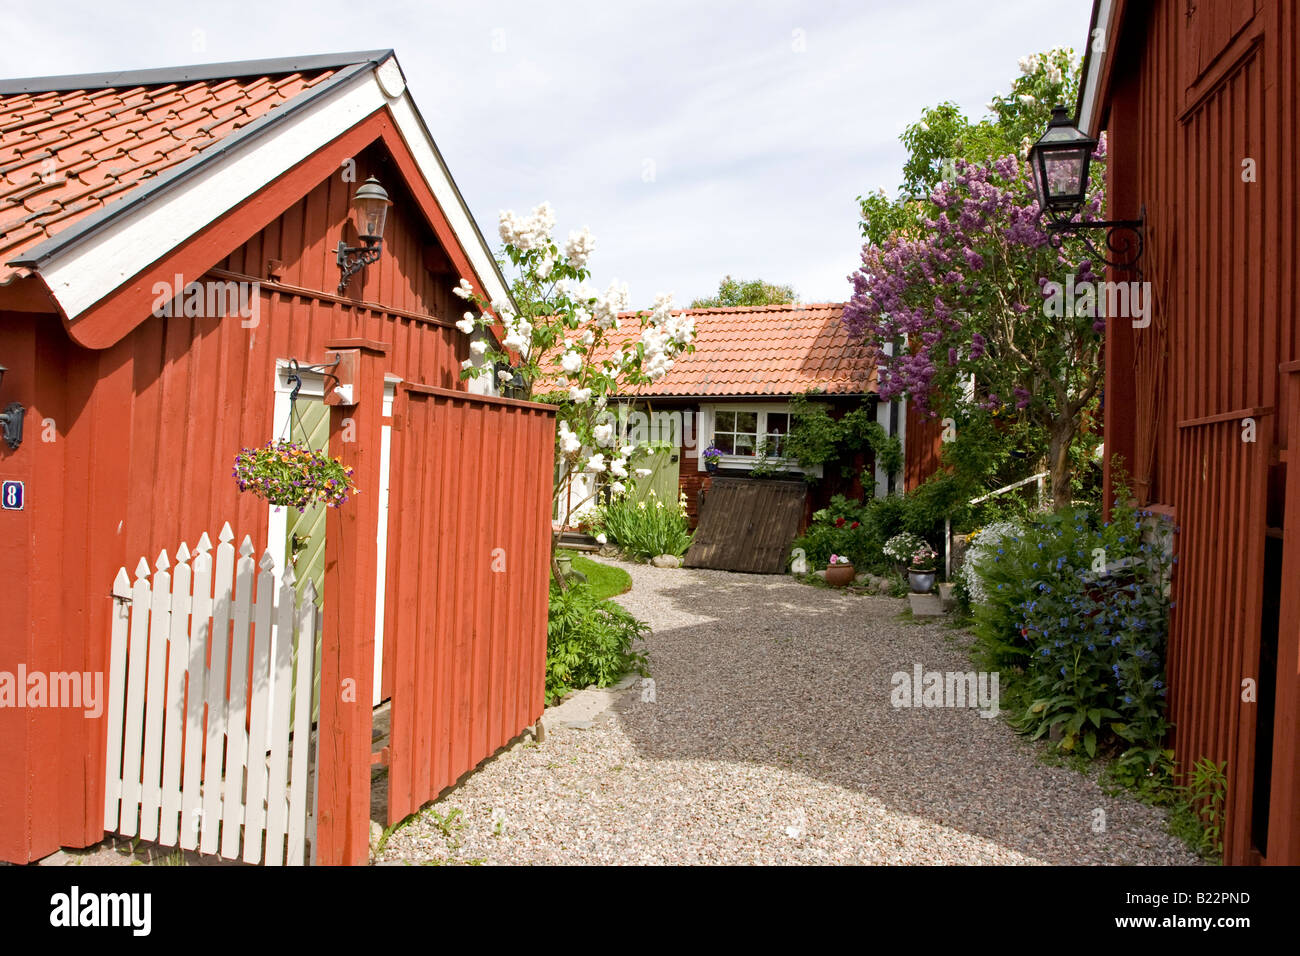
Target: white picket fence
(168,709)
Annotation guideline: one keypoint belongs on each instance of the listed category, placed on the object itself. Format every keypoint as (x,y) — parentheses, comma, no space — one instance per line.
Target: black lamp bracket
(1124,242)
(352,259)
(11,422)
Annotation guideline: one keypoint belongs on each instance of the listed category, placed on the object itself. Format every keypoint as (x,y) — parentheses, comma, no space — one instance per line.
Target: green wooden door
(665,470)
(305,531)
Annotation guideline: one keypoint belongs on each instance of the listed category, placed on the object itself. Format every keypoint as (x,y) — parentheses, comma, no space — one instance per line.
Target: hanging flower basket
(291,475)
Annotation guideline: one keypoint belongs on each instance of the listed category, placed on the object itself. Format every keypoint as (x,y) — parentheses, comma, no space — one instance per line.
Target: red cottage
(169,256)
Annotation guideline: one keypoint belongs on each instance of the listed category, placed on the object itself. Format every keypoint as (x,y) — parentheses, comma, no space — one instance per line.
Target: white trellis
(192,760)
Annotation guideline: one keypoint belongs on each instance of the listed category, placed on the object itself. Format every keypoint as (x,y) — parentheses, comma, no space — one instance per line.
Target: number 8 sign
(11,495)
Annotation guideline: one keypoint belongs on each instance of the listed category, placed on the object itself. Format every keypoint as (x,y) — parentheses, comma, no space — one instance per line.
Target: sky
(695,139)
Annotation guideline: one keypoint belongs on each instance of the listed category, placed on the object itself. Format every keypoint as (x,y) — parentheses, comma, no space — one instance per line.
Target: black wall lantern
(1060,161)
(11,419)
(369,212)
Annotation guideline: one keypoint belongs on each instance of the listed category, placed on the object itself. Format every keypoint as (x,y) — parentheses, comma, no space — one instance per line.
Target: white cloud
(758,150)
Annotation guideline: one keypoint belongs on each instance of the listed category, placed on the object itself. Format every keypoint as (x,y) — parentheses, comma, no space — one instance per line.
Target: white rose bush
(557,339)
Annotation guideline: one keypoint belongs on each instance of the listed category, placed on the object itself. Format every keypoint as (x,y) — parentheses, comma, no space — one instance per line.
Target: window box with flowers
(749,437)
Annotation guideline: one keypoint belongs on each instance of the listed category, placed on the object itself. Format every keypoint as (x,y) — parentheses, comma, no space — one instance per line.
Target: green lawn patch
(605,581)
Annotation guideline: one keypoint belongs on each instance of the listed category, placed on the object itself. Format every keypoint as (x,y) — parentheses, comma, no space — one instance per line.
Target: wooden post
(348,607)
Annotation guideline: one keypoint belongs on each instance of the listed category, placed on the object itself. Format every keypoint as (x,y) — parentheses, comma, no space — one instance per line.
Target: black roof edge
(190,74)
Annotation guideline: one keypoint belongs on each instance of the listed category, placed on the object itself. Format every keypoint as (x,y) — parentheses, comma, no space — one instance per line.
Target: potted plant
(711,455)
(839,571)
(920,571)
(292,475)
(901,547)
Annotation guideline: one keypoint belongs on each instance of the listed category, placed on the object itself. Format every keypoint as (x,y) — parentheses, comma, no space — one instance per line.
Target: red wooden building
(119,195)
(1200,104)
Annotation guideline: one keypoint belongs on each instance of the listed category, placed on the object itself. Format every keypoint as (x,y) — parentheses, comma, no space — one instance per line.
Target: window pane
(725,422)
(778,423)
(724,443)
(747,422)
(744,445)
(773,445)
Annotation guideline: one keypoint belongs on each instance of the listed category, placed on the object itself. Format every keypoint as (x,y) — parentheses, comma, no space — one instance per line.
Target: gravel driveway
(770,739)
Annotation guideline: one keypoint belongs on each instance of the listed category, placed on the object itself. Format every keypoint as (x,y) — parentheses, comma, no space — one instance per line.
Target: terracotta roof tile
(106,142)
(764,350)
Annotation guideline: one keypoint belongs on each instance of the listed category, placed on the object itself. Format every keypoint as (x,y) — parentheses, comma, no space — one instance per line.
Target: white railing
(190,764)
(947,523)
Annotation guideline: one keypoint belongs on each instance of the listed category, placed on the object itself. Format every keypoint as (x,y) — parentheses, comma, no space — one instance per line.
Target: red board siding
(467,584)
(144,435)
(1197,91)
(922,447)
(1214,627)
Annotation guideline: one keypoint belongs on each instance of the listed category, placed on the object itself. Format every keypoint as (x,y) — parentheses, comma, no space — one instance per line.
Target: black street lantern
(369,213)
(1060,161)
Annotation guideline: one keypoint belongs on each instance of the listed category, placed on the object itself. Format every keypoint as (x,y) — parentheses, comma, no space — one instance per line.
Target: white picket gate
(194,765)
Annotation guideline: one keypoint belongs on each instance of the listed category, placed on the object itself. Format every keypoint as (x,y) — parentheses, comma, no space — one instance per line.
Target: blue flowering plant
(1078,612)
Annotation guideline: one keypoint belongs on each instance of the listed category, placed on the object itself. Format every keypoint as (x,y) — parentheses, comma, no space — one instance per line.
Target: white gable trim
(91,269)
(1089,103)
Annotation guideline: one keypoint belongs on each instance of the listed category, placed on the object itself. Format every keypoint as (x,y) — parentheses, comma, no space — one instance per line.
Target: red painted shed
(1202,110)
(120,192)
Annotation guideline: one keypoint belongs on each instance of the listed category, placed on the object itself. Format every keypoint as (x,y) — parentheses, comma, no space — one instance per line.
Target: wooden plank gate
(467,583)
(747,524)
(1220,502)
(202,750)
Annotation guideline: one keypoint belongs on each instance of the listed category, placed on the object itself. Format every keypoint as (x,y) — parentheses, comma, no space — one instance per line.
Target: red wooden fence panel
(468,578)
(1220,498)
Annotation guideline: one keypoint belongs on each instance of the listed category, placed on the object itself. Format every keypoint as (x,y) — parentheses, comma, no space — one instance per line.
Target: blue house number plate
(11,495)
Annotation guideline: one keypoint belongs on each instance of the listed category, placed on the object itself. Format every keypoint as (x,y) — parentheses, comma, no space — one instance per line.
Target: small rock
(666,561)
(885,586)
(57,858)
(863,578)
(376,834)
(821,574)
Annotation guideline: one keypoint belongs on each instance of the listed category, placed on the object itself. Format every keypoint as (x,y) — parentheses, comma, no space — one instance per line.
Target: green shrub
(644,529)
(843,527)
(1081,607)
(589,641)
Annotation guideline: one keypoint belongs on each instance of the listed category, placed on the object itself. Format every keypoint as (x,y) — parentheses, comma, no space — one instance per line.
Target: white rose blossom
(571,362)
(464,289)
(569,442)
(604,434)
(478,346)
(596,463)
(466,324)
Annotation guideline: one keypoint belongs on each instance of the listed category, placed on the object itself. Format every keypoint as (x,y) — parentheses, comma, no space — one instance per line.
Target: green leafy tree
(737,293)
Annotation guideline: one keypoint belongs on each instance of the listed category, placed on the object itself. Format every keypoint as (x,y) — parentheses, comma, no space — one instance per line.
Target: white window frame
(708,416)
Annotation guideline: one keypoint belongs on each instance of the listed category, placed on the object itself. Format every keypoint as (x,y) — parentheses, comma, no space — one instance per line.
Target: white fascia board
(92,269)
(439,181)
(1089,102)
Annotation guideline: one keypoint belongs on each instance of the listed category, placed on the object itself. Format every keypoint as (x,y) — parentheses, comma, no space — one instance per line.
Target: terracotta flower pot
(838,575)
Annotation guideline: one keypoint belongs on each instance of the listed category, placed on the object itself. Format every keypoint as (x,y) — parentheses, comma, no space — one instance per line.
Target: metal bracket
(1124,245)
(352,259)
(12,421)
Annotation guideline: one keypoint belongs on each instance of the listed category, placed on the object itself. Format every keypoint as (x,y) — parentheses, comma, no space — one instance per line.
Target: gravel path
(770,739)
